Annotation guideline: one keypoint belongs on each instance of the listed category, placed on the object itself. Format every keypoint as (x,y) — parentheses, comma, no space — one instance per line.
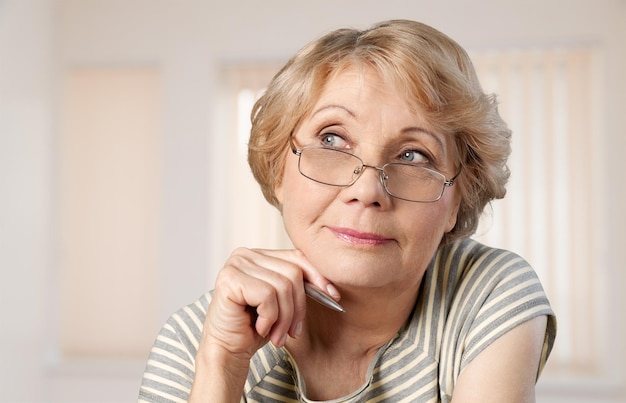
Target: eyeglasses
(339,168)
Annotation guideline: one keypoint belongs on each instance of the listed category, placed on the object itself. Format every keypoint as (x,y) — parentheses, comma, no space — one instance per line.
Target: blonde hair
(436,75)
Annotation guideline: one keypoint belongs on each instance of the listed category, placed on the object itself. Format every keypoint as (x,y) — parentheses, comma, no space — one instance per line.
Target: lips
(359,238)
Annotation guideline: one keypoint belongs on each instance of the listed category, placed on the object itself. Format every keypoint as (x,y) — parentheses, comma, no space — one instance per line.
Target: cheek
(284,189)
(429,225)
(295,188)
(294,195)
(278,186)
(453,206)
(303,204)
(451,218)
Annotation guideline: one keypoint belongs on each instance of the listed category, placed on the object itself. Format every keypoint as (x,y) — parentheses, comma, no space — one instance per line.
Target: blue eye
(413,156)
(331,140)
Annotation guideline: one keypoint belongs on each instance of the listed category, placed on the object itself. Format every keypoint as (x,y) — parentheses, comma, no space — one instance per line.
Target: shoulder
(183,328)
(483,282)
(170,368)
(467,256)
(472,271)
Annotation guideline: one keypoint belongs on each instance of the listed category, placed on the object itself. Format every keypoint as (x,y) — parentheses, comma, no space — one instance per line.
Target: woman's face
(360,236)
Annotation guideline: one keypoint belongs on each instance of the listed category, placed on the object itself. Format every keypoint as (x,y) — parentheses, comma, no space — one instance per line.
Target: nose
(369,189)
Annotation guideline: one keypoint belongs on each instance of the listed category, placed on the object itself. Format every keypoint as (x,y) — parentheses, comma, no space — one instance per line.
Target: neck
(346,343)
(372,317)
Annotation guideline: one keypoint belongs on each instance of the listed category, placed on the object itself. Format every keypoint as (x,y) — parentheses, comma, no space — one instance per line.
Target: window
(109,213)
(548,216)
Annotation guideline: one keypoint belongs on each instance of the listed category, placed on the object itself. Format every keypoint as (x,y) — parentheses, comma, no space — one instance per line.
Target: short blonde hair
(437,77)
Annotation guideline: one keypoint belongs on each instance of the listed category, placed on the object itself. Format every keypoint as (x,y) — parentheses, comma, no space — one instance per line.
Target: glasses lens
(329,166)
(414,183)
(338,168)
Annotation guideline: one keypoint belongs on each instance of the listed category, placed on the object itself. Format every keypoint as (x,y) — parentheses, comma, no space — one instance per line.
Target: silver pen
(318,295)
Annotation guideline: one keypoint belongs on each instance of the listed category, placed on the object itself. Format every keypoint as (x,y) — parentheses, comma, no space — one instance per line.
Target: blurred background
(123,183)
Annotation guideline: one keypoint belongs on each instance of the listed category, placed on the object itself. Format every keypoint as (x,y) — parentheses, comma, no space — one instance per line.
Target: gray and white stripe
(470,295)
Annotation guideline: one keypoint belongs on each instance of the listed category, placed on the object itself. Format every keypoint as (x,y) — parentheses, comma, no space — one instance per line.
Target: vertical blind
(549,215)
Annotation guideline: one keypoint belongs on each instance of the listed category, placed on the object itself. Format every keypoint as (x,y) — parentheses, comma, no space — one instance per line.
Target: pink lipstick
(358,237)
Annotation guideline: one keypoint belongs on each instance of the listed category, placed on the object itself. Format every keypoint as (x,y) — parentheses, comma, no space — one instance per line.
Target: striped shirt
(470,295)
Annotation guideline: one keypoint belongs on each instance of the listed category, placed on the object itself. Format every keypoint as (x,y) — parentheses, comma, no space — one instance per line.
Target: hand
(259,296)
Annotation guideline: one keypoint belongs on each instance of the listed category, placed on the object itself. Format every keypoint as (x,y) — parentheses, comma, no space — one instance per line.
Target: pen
(318,295)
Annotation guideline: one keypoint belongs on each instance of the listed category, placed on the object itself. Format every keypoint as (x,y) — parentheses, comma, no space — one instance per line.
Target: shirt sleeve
(170,368)
(496,291)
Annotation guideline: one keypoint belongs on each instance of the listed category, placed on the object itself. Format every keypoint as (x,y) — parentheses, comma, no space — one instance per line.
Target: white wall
(26,182)
(190,40)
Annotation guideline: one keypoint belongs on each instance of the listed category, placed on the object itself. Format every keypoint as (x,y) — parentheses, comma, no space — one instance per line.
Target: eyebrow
(334,106)
(409,129)
(420,129)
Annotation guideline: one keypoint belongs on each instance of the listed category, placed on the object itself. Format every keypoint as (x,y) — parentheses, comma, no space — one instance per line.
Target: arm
(224,385)
(506,370)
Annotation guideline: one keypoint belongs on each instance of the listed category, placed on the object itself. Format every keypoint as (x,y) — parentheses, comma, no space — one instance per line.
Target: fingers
(273,283)
(285,303)
(304,269)
(276,311)
(284,271)
(309,272)
(254,298)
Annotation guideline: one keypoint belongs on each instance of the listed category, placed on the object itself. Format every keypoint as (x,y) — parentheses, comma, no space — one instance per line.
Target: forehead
(362,73)
(364,93)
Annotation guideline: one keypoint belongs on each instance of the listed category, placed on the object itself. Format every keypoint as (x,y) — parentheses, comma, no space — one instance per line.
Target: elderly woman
(381,151)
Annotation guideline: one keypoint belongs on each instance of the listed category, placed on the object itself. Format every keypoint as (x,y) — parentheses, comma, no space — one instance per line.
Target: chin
(363,273)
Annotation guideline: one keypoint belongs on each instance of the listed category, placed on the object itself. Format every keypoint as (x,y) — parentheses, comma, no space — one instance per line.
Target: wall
(26,186)
(189,40)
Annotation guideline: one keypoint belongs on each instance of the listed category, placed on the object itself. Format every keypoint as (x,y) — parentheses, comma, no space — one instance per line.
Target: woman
(381,151)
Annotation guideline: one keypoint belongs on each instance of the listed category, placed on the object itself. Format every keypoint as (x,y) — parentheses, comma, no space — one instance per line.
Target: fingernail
(332,291)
